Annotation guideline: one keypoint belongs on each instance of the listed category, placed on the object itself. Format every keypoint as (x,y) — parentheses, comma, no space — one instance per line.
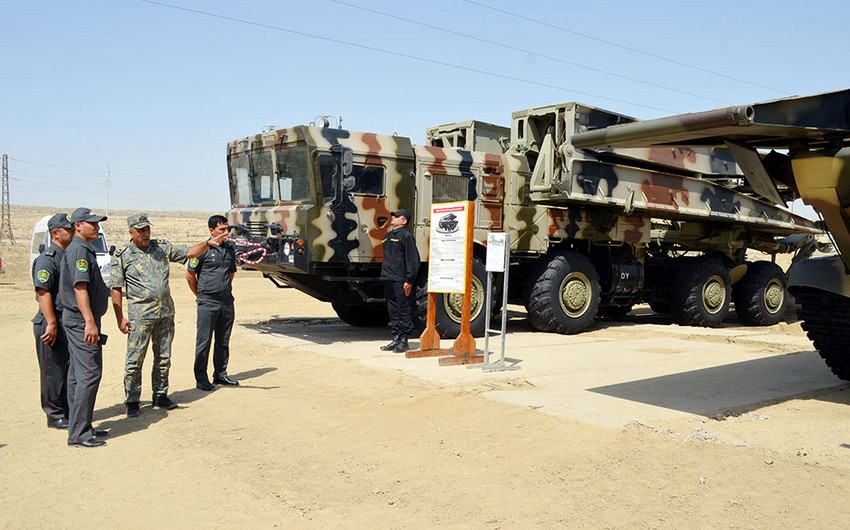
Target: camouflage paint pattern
(540,186)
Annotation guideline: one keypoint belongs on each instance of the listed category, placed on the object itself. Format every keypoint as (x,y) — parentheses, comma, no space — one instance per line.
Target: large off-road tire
(760,298)
(449,306)
(701,292)
(825,317)
(564,296)
(364,315)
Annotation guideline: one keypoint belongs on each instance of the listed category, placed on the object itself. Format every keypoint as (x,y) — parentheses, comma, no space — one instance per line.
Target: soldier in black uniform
(210,277)
(50,342)
(84,299)
(398,270)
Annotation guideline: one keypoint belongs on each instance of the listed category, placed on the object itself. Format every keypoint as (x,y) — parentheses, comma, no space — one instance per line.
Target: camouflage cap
(401,213)
(59,220)
(84,214)
(138,220)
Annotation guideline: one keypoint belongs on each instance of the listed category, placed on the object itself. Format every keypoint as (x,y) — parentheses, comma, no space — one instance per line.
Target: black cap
(84,214)
(59,220)
(401,213)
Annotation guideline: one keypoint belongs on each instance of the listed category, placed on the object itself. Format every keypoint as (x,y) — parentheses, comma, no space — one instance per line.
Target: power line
(400,54)
(38,183)
(529,52)
(96,171)
(624,47)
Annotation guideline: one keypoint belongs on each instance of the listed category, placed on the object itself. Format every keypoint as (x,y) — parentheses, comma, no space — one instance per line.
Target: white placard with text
(496,254)
(447,261)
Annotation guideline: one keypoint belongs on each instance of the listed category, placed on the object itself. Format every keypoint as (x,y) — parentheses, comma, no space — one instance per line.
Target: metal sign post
(498,251)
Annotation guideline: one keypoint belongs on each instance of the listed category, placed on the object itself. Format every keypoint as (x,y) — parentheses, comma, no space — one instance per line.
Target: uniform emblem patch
(43,276)
(193,262)
(82,265)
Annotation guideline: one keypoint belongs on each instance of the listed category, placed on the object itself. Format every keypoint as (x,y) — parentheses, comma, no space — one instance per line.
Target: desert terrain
(635,424)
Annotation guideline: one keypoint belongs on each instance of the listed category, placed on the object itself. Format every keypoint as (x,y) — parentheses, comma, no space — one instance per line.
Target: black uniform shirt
(213,270)
(401,257)
(80,265)
(45,275)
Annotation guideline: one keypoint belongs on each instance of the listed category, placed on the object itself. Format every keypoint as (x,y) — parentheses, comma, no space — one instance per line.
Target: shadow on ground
(736,388)
(114,418)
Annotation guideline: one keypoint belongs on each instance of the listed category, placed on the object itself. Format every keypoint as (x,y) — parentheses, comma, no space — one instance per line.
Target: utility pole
(7,210)
(108,183)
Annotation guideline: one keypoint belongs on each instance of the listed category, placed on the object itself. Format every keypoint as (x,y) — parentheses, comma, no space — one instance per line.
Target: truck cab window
(261,177)
(240,184)
(293,177)
(368,180)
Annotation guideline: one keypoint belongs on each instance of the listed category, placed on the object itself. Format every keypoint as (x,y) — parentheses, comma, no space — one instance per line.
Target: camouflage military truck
(594,229)
(808,139)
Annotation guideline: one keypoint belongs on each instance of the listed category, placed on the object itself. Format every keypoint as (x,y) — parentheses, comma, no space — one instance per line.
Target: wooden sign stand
(463,349)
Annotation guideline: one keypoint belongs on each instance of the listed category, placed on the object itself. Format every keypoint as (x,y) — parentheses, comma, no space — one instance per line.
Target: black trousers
(84,373)
(53,368)
(215,318)
(400,308)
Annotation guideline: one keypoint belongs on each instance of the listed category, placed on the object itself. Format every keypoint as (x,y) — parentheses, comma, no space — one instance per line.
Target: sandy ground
(726,428)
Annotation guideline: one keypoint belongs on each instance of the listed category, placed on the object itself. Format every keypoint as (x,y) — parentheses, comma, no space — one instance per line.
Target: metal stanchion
(497,262)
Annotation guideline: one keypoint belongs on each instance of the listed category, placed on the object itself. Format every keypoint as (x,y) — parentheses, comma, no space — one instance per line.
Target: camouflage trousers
(159,333)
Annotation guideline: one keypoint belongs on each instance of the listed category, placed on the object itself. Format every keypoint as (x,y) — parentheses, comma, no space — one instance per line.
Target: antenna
(7,210)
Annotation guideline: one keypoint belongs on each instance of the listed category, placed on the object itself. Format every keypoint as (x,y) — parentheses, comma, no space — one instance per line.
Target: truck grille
(257,228)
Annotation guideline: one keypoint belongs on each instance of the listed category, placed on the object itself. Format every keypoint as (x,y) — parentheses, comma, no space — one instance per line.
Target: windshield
(99,245)
(251,178)
(257,178)
(293,174)
(240,185)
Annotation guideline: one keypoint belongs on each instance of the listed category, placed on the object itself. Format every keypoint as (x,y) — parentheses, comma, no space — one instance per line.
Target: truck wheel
(760,295)
(449,306)
(701,292)
(364,315)
(825,317)
(564,297)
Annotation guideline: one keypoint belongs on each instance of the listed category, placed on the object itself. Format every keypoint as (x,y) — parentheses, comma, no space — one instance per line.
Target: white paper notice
(447,261)
(496,255)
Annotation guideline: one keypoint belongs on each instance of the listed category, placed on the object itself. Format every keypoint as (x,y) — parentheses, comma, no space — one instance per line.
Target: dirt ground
(311,440)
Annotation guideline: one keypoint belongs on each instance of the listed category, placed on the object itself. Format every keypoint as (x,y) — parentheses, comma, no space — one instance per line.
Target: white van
(41,240)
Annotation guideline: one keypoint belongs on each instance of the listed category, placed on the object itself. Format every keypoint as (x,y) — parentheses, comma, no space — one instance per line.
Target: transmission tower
(7,210)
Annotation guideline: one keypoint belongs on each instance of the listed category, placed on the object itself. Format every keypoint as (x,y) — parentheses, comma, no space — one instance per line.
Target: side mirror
(111,250)
(41,248)
(347,162)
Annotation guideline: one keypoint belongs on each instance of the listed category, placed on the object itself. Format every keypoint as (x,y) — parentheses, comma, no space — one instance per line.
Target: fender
(827,273)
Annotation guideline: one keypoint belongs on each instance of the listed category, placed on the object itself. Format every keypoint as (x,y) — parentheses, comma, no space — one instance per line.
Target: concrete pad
(617,373)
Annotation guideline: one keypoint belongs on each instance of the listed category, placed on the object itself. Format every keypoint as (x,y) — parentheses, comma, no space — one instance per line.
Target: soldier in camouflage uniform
(140,269)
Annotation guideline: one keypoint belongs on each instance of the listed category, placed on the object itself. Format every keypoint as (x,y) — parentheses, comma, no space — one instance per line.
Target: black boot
(401,345)
(391,346)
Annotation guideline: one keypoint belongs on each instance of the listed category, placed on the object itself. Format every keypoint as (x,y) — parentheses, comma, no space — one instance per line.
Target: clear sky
(153,91)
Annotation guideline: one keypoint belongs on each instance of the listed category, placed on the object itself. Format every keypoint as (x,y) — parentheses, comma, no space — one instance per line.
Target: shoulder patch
(193,262)
(43,276)
(121,250)
(82,265)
